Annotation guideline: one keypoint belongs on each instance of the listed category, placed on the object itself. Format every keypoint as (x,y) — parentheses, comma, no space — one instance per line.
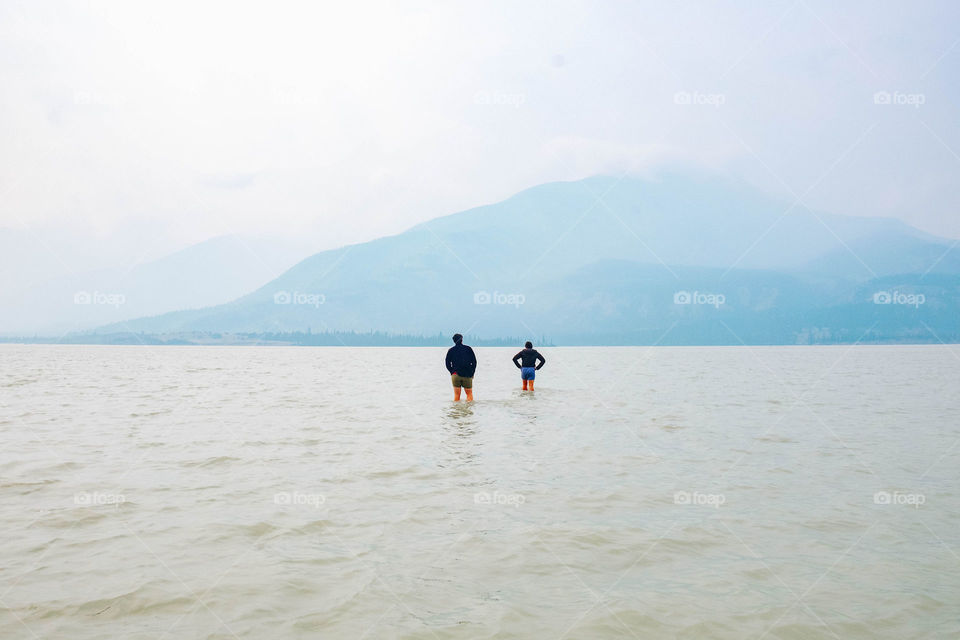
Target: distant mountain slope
(211,272)
(677,220)
(30,257)
(554,260)
(630,303)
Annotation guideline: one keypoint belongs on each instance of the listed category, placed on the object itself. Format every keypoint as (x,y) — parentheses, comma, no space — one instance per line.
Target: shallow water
(192,492)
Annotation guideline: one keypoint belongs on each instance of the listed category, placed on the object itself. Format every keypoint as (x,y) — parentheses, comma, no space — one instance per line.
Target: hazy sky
(345,121)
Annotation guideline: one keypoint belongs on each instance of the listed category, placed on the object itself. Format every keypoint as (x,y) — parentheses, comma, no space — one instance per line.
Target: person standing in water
(461,363)
(526,361)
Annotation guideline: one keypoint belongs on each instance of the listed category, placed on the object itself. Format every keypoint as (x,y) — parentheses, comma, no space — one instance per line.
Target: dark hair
(528,345)
(457,338)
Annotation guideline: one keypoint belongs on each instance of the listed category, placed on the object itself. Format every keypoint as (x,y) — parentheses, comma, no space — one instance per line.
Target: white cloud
(347,121)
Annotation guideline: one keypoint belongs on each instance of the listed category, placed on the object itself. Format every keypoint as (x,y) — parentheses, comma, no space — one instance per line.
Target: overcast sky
(343,122)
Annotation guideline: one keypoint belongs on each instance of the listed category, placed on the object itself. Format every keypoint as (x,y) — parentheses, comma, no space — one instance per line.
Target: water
(217,492)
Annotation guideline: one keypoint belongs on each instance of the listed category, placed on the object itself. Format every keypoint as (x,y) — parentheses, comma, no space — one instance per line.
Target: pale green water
(332,493)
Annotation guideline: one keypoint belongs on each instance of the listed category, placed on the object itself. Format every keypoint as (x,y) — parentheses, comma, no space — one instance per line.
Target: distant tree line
(288,338)
(375,339)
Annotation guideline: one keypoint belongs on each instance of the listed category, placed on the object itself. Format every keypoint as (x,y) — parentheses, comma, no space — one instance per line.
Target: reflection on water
(459,428)
(461,413)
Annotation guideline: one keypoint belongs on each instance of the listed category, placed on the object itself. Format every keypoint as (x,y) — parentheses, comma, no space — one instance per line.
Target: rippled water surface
(190,492)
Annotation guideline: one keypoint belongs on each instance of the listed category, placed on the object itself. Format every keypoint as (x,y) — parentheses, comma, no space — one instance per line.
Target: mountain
(31,256)
(610,260)
(211,272)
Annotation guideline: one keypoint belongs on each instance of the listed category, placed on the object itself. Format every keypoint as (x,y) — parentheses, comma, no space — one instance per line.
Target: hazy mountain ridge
(211,272)
(554,260)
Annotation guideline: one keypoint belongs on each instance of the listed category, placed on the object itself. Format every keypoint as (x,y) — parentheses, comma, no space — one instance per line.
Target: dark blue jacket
(461,360)
(529,358)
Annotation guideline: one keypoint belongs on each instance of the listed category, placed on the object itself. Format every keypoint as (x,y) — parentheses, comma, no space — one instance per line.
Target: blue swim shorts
(528,373)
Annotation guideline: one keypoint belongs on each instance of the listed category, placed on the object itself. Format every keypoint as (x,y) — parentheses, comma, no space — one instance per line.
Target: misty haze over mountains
(45,290)
(678,259)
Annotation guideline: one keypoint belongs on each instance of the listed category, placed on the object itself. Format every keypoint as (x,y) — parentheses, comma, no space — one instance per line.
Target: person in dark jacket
(461,363)
(529,361)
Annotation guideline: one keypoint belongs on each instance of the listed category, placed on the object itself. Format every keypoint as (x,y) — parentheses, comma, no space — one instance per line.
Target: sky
(159,125)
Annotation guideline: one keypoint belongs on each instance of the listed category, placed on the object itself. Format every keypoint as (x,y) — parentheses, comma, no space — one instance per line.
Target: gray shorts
(460,381)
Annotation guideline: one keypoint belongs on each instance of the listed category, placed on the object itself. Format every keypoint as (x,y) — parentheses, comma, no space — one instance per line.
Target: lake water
(218,492)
